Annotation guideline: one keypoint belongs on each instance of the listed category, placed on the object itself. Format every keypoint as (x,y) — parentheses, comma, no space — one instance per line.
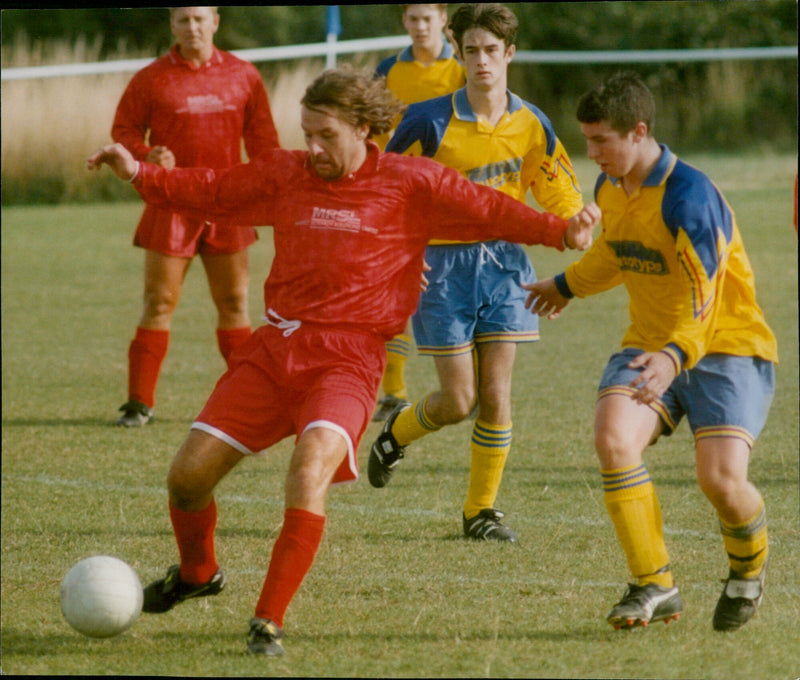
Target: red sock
(145,356)
(194,532)
(292,556)
(228,339)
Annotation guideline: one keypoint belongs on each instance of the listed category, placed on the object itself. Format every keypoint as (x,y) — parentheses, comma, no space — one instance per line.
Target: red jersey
(201,113)
(349,252)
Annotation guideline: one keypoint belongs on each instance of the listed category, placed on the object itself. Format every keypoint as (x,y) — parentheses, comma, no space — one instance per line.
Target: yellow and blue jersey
(521,152)
(675,246)
(412,81)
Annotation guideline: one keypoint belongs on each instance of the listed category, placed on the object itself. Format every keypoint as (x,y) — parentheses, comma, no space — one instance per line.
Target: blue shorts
(474,295)
(722,396)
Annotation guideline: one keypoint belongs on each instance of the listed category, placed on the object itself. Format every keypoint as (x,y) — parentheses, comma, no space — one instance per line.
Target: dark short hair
(357,95)
(493,17)
(622,100)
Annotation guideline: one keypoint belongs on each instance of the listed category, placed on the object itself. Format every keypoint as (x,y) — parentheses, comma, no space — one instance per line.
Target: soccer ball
(101,596)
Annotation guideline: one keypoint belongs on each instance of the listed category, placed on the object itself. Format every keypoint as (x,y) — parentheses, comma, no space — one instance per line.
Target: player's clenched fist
(161,155)
(579,232)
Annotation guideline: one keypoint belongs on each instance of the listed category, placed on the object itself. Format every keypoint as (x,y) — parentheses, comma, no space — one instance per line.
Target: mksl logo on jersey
(206,103)
(342,220)
(635,257)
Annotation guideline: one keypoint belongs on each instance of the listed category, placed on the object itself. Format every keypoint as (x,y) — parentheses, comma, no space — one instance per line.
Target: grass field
(395,591)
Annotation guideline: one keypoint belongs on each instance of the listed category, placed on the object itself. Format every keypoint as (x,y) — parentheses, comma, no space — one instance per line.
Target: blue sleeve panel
(600,180)
(385,66)
(547,126)
(424,122)
(693,204)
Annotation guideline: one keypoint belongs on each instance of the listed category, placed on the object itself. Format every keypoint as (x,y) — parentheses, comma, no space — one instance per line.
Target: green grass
(394,591)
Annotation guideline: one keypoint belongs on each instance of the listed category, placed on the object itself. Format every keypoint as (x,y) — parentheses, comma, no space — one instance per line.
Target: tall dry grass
(49,126)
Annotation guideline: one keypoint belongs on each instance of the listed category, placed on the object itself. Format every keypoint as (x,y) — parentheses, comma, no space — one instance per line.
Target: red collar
(176,58)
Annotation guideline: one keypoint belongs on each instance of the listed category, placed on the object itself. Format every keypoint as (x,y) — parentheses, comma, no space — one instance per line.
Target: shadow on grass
(92,422)
(16,642)
(590,631)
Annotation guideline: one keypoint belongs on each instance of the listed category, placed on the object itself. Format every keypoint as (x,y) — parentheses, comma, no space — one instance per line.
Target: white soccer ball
(101,596)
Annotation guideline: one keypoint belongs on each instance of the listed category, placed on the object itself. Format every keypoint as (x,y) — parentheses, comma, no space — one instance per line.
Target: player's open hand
(544,298)
(424,282)
(116,157)
(658,374)
(581,226)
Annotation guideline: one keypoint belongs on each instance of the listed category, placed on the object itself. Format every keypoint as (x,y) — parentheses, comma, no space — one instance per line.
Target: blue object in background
(333,21)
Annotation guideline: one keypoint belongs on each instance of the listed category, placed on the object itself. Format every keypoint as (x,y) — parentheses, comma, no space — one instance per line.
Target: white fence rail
(330,49)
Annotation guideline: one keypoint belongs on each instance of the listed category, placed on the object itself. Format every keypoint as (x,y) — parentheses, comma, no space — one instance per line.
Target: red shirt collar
(176,58)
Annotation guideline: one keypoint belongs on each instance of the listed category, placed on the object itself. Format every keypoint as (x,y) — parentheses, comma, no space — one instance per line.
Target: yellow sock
(394,376)
(746,544)
(413,423)
(632,503)
(490,446)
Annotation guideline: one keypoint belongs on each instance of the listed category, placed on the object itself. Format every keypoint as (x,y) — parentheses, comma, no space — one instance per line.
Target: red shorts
(174,234)
(279,386)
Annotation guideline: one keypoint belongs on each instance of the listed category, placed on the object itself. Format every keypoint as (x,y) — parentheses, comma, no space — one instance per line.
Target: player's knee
(307,482)
(614,448)
(187,485)
(721,488)
(232,309)
(159,305)
(183,494)
(456,407)
(231,302)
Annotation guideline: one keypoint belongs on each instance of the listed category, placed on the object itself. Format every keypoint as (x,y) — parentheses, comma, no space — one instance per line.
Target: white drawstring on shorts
(485,251)
(288,326)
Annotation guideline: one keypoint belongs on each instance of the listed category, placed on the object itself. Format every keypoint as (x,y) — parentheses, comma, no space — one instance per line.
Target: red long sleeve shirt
(200,113)
(349,252)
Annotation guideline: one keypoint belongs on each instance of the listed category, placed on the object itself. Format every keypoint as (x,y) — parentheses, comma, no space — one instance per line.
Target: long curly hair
(357,95)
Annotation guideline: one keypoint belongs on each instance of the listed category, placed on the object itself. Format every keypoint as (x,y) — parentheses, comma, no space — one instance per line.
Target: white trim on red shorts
(241,448)
(219,434)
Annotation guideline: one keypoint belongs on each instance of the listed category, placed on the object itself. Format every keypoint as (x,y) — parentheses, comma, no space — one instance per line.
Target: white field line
(445,577)
(544,520)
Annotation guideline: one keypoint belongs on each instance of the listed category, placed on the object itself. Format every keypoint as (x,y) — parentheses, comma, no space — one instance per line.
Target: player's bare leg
(315,459)
(623,429)
(201,462)
(451,403)
(490,443)
(228,280)
(317,455)
(163,280)
(456,396)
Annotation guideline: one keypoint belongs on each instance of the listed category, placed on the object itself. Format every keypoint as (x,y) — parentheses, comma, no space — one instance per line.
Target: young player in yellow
(698,345)
(475,300)
(427,68)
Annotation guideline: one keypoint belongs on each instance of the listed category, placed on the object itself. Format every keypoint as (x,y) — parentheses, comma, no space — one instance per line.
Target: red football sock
(145,356)
(292,556)
(194,532)
(228,339)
